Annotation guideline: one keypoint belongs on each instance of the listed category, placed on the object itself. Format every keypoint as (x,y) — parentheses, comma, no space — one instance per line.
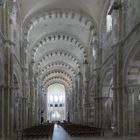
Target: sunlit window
(60,98)
(109,23)
(55,115)
(51,98)
(93,52)
(56,98)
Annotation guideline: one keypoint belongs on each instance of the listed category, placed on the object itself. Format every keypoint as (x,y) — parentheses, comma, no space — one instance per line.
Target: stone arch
(58,81)
(59,53)
(59,37)
(57,78)
(131,72)
(131,54)
(57,73)
(35,18)
(58,65)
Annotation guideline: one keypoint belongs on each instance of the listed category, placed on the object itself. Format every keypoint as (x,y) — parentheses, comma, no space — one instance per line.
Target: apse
(56,102)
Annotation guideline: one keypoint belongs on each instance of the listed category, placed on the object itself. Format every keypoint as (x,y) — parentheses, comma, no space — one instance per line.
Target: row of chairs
(80,130)
(44,130)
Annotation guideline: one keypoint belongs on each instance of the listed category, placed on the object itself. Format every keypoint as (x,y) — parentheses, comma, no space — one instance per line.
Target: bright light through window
(56,115)
(56,102)
(51,98)
(109,23)
(56,98)
(93,52)
(60,98)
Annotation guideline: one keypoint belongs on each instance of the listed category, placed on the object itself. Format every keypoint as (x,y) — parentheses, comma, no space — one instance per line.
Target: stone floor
(61,134)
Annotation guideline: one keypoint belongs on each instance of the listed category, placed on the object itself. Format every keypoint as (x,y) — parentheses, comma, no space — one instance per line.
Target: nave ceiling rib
(70,61)
(56,72)
(55,37)
(56,65)
(58,40)
(37,18)
(58,81)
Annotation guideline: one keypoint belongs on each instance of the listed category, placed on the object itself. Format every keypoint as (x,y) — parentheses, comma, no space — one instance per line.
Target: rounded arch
(35,18)
(59,65)
(131,80)
(57,78)
(58,53)
(58,81)
(57,73)
(131,54)
(59,36)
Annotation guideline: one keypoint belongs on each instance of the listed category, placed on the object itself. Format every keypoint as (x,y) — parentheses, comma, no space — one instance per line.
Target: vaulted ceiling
(57,34)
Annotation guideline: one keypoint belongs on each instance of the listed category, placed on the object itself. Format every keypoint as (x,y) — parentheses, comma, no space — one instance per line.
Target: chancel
(69,69)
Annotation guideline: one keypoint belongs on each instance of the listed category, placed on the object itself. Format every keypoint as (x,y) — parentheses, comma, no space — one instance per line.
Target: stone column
(131,113)
(1,16)
(7,90)
(80,114)
(72,106)
(23,112)
(36,105)
(45,107)
(1,111)
(75,102)
(86,91)
(115,100)
(6,111)
(117,68)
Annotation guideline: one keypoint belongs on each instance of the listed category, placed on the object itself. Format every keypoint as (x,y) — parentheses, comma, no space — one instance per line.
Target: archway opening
(133,93)
(56,106)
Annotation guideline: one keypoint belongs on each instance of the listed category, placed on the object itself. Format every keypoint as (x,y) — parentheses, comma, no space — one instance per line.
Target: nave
(76,61)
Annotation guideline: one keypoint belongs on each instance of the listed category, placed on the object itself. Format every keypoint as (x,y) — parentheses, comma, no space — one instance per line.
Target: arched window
(109,23)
